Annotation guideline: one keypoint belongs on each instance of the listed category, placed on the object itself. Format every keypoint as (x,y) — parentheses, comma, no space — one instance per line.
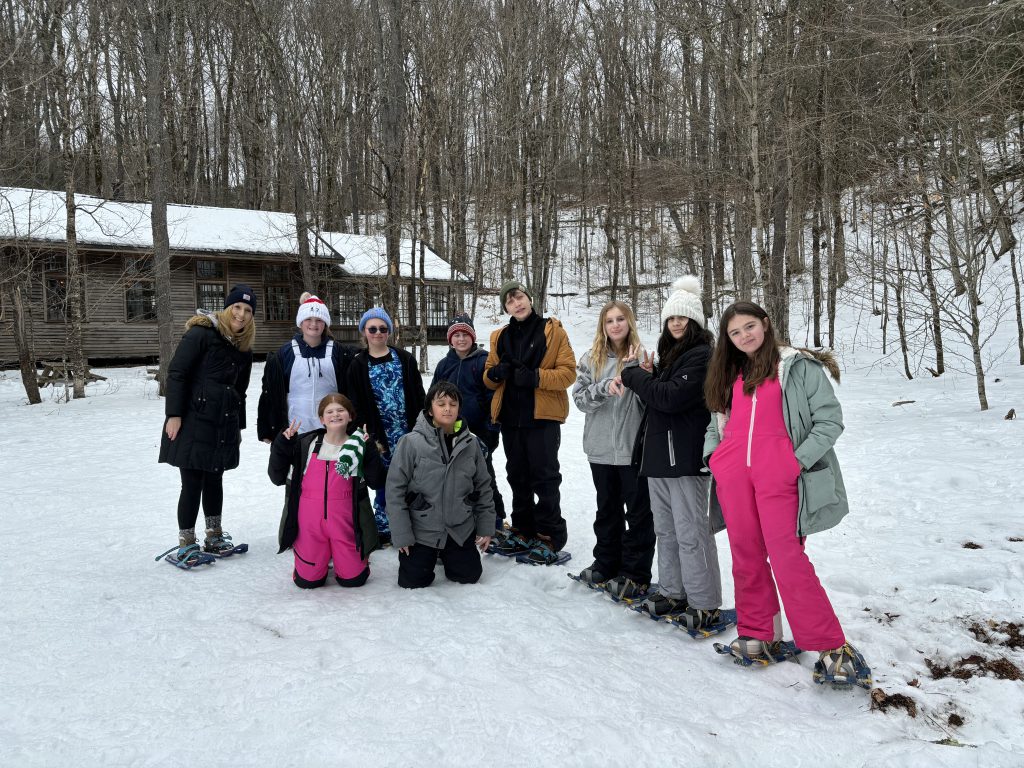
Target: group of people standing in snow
(735,432)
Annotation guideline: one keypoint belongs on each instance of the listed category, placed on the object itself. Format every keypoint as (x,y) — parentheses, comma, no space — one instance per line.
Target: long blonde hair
(242,340)
(602,350)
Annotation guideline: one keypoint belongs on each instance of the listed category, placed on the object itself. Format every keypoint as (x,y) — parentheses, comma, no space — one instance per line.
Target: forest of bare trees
(609,145)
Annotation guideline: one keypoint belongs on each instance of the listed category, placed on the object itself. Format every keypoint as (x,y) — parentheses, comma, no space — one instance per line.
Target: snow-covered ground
(112,659)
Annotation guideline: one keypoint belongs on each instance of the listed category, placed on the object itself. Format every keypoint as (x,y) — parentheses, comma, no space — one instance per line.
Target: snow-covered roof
(39,215)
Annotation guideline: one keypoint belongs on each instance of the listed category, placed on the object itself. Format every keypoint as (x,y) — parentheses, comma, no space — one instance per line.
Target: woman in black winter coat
(671,446)
(205,413)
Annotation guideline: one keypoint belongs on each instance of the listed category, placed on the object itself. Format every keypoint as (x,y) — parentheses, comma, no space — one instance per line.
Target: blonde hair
(602,350)
(243,339)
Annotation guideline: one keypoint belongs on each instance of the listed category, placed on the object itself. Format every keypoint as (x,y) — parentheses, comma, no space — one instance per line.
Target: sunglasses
(376,329)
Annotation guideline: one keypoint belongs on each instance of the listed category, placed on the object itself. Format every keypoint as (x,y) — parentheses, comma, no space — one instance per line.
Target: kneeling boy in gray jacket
(439,495)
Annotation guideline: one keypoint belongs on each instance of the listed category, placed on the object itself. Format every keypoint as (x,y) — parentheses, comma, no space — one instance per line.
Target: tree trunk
(155,34)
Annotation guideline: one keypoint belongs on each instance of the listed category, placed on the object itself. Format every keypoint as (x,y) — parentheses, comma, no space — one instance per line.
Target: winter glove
(499,372)
(526,377)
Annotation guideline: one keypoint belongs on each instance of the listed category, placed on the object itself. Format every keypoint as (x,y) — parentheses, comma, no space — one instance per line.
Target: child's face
(616,327)
(462,342)
(336,416)
(746,332)
(444,409)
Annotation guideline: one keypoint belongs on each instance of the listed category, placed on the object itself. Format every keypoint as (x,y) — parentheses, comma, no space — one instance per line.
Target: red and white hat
(311,306)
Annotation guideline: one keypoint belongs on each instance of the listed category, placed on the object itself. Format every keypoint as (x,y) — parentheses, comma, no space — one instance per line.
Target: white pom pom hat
(311,306)
(684,301)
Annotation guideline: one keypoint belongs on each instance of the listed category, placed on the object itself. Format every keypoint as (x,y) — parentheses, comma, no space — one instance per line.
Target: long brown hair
(670,348)
(600,351)
(728,362)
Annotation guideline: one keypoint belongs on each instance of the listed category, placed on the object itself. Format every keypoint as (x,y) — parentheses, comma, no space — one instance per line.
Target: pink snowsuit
(326,530)
(756,473)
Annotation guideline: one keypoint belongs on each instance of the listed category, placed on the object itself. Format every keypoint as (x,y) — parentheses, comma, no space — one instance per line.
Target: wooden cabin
(212,249)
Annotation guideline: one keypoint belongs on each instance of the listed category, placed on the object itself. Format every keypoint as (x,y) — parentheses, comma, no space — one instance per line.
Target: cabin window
(350,304)
(211,285)
(437,305)
(139,289)
(55,282)
(277,290)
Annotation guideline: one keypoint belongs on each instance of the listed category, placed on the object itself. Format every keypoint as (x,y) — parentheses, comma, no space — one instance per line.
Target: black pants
(624,525)
(499,503)
(531,455)
(461,563)
(198,485)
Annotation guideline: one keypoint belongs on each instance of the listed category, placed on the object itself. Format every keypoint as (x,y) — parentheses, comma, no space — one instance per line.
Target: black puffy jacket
(206,383)
(671,439)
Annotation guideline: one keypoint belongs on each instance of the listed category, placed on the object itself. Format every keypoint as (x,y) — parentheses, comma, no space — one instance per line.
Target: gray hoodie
(612,421)
(433,494)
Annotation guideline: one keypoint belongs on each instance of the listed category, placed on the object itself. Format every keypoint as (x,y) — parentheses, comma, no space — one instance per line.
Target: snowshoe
(843,668)
(186,556)
(660,606)
(541,553)
(509,545)
(590,577)
(698,623)
(769,653)
(622,589)
(219,544)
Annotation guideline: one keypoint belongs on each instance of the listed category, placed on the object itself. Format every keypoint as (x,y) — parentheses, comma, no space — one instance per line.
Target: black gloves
(526,377)
(499,372)
(511,369)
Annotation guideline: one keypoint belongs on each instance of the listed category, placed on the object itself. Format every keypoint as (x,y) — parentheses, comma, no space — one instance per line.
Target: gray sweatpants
(687,555)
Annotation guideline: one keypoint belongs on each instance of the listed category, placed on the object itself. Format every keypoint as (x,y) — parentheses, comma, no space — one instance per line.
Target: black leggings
(198,485)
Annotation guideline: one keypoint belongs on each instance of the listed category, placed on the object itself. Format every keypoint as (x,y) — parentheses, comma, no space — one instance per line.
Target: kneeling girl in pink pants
(776,476)
(327,514)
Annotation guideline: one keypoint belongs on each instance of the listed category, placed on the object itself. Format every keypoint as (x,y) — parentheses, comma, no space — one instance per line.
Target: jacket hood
(204,318)
(475,352)
(425,427)
(824,357)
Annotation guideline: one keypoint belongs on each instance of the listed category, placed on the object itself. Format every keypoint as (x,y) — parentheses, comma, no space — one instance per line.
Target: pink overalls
(326,530)
(756,474)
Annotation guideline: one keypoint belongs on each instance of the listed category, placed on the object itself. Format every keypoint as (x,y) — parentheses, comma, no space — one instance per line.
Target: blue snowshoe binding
(749,652)
(623,589)
(699,623)
(843,668)
(186,556)
(508,543)
(219,544)
(541,553)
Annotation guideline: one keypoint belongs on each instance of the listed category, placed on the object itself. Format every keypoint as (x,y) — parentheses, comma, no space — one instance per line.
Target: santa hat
(463,323)
(311,306)
(685,301)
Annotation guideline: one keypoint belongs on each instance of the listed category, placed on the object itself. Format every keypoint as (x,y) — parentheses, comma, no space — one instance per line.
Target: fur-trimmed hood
(788,355)
(207,319)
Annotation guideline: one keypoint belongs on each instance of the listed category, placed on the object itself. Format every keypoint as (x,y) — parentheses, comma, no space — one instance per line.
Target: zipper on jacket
(326,478)
(671,450)
(750,433)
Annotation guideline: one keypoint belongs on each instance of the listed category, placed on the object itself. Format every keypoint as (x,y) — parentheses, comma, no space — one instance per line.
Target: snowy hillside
(112,659)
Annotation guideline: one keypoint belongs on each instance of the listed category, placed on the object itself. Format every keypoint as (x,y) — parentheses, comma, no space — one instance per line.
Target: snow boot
(699,618)
(219,544)
(624,589)
(187,554)
(592,576)
(752,648)
(842,667)
(661,606)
